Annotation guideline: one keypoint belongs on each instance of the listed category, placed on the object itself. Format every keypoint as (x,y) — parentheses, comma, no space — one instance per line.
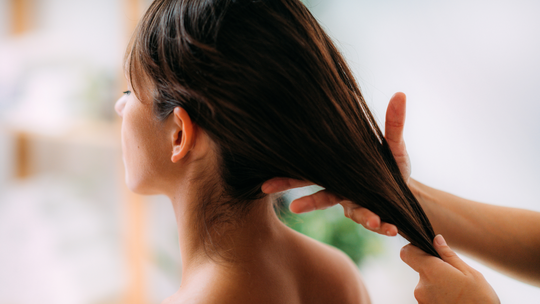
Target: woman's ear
(183,134)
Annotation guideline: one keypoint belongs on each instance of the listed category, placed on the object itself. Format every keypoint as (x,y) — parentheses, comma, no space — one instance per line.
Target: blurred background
(71,233)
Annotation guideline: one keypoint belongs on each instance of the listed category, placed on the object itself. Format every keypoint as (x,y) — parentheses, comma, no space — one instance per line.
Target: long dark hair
(269,87)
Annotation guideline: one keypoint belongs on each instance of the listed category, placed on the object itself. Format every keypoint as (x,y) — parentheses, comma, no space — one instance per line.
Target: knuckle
(395,123)
(477,275)
(419,292)
(287,183)
(357,216)
(314,201)
(346,203)
(348,212)
(363,212)
(404,253)
(321,200)
(330,198)
(448,253)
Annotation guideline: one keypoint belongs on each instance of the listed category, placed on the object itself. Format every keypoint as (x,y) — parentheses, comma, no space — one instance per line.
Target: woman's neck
(237,243)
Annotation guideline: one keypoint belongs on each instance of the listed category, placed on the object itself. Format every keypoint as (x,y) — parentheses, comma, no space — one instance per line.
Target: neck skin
(244,242)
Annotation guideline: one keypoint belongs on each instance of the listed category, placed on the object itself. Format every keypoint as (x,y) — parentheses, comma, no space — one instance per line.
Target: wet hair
(268,86)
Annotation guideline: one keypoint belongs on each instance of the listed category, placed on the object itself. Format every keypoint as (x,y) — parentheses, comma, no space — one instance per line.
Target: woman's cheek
(129,154)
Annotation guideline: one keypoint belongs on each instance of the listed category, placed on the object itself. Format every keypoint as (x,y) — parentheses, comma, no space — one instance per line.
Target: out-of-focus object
(22,163)
(21,12)
(136,244)
(20,23)
(57,88)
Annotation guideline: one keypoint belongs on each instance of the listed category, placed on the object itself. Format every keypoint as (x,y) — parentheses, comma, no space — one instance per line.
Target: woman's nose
(120,104)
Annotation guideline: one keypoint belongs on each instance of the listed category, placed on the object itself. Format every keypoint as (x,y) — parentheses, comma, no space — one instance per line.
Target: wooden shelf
(88,133)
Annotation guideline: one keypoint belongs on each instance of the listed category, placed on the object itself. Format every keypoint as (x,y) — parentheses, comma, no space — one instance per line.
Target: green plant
(331,227)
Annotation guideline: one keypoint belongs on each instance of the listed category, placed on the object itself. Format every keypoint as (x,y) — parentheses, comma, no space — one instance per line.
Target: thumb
(448,255)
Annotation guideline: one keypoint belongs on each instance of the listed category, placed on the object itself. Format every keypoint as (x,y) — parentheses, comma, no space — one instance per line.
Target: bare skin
(267,262)
(449,280)
(507,239)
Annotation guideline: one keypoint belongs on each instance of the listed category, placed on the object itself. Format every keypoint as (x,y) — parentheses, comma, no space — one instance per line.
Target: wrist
(427,201)
(417,189)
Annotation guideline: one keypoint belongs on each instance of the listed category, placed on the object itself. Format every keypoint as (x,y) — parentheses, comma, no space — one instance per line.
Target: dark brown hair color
(269,87)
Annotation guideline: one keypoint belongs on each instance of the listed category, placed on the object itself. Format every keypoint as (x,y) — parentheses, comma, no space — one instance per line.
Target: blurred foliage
(331,227)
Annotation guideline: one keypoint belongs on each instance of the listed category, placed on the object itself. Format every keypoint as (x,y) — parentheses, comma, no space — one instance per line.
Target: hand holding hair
(395,121)
(449,280)
(508,239)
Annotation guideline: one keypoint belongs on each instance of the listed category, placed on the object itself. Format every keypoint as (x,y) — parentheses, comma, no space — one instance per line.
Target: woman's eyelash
(127,92)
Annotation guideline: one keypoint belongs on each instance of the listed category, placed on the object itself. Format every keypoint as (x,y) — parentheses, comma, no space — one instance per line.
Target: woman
(225,95)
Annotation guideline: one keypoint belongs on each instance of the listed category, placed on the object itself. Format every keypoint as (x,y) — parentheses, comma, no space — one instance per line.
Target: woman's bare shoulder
(330,269)
(305,271)
(224,285)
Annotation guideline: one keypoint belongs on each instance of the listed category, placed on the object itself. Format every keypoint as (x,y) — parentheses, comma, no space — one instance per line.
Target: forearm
(507,239)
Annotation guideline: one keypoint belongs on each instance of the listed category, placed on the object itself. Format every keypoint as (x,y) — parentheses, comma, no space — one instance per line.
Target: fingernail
(371,225)
(440,240)
(391,232)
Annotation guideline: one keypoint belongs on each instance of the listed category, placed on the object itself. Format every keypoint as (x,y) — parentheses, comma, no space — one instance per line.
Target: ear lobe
(182,145)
